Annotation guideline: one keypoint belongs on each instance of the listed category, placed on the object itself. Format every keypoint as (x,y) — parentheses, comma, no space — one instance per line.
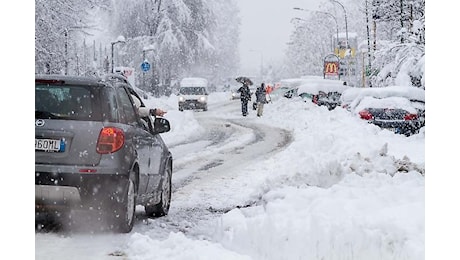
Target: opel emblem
(39,122)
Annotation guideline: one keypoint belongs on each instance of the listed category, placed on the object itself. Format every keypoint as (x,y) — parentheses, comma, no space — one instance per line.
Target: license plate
(49,145)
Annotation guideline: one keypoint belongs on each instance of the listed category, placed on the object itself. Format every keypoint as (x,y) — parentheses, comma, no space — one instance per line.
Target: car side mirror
(161,125)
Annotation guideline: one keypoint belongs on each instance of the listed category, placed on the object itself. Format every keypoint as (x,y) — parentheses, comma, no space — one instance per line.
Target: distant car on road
(98,147)
(193,94)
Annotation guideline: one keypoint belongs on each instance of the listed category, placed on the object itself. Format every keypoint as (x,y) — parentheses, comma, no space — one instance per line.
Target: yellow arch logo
(331,68)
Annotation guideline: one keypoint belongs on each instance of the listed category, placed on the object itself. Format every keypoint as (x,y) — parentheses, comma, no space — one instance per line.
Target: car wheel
(123,214)
(162,208)
(205,108)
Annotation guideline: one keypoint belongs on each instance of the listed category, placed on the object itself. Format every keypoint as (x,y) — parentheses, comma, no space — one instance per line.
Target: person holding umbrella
(245,96)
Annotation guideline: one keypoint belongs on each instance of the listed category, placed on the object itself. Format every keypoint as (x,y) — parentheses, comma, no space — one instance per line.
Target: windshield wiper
(45,115)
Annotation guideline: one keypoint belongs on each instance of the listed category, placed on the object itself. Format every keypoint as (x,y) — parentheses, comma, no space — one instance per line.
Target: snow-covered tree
(396,41)
(310,43)
(179,38)
(57,25)
(399,57)
(195,37)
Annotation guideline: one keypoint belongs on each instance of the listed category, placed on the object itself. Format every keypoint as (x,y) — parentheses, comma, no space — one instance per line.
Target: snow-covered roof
(194,82)
(389,102)
(413,93)
(314,86)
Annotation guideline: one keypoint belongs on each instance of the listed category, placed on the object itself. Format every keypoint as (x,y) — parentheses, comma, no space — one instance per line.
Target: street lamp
(326,13)
(346,22)
(346,35)
(261,63)
(120,39)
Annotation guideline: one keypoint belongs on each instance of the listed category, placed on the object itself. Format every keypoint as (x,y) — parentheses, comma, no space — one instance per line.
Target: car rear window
(66,102)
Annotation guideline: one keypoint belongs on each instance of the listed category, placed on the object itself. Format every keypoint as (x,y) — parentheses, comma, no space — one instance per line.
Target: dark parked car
(331,100)
(398,108)
(323,92)
(396,114)
(98,147)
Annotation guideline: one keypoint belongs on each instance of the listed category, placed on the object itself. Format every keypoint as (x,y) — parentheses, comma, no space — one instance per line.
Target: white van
(193,94)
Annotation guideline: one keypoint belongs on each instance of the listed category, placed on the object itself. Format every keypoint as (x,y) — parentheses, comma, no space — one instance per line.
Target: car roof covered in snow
(412,93)
(314,86)
(194,82)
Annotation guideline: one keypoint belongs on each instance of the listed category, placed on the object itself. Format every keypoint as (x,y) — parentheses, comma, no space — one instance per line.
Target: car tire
(205,108)
(162,208)
(124,212)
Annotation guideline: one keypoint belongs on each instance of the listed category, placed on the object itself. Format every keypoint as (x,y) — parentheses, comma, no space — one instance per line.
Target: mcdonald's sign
(331,68)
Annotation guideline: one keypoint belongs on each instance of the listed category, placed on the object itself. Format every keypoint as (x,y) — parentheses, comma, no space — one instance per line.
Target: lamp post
(326,13)
(261,63)
(346,35)
(346,22)
(120,39)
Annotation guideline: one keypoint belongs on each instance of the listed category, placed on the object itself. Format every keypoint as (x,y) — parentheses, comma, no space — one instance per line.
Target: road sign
(145,66)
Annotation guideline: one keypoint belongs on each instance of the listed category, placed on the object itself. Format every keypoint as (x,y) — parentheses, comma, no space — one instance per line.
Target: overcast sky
(266,27)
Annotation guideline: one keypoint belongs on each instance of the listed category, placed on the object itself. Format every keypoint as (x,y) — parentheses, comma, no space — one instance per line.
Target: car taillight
(315,99)
(364,114)
(410,116)
(110,140)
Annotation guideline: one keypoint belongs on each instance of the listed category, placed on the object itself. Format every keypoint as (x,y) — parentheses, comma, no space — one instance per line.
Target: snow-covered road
(208,167)
(301,182)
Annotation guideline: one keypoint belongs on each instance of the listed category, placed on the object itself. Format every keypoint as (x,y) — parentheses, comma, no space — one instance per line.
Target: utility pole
(368,43)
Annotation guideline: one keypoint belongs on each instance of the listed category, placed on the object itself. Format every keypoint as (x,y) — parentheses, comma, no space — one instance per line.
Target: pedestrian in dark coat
(261,99)
(245,97)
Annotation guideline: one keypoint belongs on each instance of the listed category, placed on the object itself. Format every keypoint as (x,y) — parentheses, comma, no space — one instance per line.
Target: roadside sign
(145,66)
(331,66)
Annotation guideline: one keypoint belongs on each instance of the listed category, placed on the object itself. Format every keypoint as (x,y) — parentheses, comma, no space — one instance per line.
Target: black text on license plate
(49,145)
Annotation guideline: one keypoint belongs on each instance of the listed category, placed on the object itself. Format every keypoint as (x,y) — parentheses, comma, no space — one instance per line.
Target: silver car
(96,150)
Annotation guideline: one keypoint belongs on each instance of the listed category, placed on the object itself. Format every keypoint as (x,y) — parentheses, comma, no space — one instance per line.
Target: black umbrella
(244,79)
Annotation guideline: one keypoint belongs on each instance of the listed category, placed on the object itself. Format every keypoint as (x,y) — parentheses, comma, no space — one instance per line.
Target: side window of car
(127,112)
(109,103)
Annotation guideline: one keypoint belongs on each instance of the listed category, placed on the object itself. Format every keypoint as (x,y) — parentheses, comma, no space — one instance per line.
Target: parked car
(416,95)
(397,114)
(331,100)
(193,94)
(96,149)
(323,92)
(283,92)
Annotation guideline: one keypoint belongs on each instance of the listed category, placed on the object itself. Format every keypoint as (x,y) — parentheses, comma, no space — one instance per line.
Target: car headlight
(181,99)
(202,99)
